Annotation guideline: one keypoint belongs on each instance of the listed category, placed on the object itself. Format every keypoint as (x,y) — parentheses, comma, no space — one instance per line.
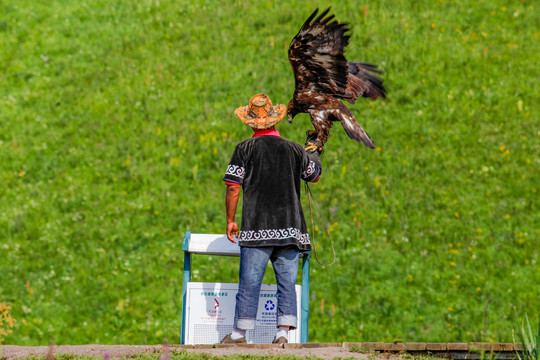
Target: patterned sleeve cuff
(235,174)
(312,171)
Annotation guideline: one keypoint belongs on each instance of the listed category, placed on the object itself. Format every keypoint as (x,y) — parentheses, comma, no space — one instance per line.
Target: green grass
(116,126)
(417,357)
(529,340)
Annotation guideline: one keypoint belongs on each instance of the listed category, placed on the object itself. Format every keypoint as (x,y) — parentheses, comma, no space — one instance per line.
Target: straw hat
(260,114)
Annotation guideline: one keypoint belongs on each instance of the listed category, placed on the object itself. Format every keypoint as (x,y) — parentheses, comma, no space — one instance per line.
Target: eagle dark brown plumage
(323,75)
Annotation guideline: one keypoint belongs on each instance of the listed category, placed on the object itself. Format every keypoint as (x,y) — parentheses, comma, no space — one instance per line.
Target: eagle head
(291,111)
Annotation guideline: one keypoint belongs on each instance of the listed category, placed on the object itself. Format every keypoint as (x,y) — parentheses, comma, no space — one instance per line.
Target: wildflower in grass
(6,321)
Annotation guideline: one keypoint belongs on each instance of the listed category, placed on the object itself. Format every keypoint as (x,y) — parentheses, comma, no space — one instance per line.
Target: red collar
(266,133)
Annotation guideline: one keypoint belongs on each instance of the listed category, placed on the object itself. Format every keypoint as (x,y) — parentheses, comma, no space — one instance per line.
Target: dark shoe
(229,340)
(280,340)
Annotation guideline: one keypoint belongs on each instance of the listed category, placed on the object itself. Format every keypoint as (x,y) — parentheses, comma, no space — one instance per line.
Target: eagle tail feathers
(358,134)
(354,129)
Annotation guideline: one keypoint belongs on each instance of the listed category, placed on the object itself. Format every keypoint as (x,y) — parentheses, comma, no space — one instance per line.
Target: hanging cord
(310,196)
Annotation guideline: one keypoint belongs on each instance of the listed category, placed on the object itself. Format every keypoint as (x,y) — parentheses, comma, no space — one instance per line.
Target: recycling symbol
(269,305)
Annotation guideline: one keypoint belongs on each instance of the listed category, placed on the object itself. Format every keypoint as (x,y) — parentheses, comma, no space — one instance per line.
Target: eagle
(323,76)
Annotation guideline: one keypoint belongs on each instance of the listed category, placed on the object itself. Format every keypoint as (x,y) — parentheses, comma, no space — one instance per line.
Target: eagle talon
(311,147)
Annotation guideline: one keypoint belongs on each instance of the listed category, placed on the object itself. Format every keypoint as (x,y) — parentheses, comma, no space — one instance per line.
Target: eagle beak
(289,119)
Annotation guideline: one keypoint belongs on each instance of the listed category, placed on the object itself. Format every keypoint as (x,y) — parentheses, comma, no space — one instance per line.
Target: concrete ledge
(393,347)
(311,345)
(455,351)
(436,346)
(377,346)
(350,345)
(457,347)
(415,346)
(330,344)
(480,346)
(502,347)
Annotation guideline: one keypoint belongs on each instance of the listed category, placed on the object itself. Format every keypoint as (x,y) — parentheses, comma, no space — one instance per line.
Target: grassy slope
(116,124)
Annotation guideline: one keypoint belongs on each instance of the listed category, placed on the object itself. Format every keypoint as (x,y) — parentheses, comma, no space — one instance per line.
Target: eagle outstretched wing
(316,55)
(323,75)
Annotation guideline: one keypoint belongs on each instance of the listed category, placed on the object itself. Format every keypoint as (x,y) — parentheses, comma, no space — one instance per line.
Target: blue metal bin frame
(304,312)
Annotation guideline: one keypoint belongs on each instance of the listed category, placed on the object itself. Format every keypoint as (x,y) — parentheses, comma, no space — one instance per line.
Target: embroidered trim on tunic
(274,234)
(236,170)
(310,169)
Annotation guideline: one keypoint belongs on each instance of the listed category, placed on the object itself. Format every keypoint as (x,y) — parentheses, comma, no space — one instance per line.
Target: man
(269,169)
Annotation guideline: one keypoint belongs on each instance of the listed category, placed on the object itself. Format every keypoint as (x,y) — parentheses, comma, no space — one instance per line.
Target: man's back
(270,170)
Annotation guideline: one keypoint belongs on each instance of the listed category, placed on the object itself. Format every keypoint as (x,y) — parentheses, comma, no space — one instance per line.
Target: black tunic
(270,170)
